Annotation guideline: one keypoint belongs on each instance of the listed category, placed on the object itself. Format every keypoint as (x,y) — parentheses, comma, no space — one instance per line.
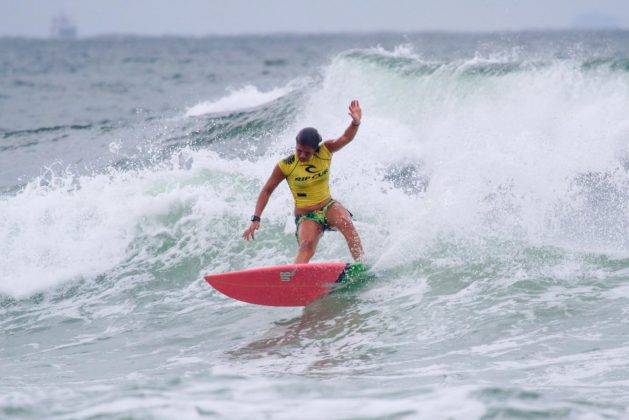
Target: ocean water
(489,182)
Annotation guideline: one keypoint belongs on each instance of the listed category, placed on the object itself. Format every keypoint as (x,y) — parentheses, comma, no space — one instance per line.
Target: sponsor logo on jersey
(311,169)
(315,176)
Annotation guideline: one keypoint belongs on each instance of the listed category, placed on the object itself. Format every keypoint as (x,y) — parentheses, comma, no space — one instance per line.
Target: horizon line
(574,29)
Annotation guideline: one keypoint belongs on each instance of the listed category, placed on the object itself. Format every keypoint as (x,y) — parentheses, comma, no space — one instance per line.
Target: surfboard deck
(286,285)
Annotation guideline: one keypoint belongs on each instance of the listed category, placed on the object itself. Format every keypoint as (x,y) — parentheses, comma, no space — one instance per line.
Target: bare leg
(339,217)
(308,235)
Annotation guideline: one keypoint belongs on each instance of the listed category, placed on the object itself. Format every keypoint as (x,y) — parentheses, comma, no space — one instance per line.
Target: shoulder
(324,151)
(287,164)
(289,160)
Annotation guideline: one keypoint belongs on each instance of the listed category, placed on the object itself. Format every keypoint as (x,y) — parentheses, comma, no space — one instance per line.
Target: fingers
(250,232)
(354,107)
(354,111)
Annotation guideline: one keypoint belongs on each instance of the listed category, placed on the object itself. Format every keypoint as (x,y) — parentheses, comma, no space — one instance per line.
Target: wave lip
(246,97)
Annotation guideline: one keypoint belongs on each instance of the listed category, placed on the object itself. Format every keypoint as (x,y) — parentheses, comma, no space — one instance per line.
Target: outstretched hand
(355,112)
(250,232)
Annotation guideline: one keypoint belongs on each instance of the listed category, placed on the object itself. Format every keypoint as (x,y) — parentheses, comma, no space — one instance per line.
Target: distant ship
(62,28)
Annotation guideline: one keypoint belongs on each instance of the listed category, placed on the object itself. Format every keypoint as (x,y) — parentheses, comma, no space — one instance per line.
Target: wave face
(489,182)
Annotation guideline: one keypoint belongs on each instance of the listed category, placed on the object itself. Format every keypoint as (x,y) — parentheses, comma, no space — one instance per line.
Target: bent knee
(307,244)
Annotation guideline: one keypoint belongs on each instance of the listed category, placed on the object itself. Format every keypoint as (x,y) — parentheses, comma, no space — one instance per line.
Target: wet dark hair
(309,137)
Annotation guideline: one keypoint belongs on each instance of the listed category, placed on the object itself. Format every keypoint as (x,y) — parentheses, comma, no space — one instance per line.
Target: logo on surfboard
(287,275)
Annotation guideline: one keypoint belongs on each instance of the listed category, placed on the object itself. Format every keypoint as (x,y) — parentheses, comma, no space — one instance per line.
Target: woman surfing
(307,172)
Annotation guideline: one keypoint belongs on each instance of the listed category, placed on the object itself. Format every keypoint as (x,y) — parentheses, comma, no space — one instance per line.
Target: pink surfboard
(284,285)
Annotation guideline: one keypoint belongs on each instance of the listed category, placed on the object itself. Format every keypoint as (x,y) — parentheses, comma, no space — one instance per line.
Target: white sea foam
(512,154)
(533,155)
(77,227)
(246,97)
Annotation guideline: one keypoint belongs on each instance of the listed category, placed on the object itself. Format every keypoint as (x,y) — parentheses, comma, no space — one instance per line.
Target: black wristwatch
(255,218)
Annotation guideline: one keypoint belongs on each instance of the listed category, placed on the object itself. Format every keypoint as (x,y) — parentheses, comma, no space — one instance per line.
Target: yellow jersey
(308,181)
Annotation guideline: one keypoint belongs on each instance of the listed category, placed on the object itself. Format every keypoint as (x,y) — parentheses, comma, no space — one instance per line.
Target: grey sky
(203,17)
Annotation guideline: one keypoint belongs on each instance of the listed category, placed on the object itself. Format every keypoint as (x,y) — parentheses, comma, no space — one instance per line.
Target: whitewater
(489,182)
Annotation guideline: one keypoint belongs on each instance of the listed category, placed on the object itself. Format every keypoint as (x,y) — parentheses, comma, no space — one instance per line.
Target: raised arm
(350,132)
(274,180)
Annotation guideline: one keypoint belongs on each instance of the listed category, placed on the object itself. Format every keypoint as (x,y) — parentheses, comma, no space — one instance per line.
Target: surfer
(307,172)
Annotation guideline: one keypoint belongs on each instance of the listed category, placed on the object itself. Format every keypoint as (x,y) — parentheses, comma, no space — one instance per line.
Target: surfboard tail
(354,274)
